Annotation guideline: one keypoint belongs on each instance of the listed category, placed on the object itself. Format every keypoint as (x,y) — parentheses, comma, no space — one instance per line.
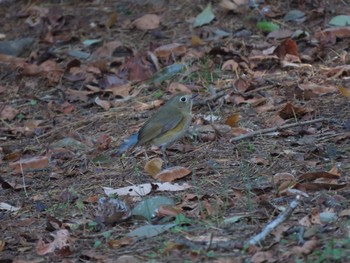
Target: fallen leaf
(343,91)
(205,17)
(103,103)
(61,241)
(120,90)
(112,18)
(37,162)
(196,41)
(233,120)
(117,243)
(171,174)
(144,189)
(147,22)
(176,87)
(230,65)
(173,49)
(232,5)
(154,166)
(8,113)
(5,206)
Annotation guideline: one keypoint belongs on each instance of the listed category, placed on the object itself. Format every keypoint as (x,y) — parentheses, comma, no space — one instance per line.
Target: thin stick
(279,220)
(211,98)
(263,131)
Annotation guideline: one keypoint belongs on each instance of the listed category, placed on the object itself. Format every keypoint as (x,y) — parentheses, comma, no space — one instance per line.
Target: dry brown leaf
(317,175)
(62,240)
(329,35)
(154,166)
(8,113)
(103,103)
(288,46)
(233,120)
(232,5)
(263,256)
(176,87)
(106,51)
(78,95)
(168,211)
(37,162)
(141,106)
(120,90)
(317,89)
(117,243)
(173,49)
(112,18)
(171,174)
(230,65)
(306,249)
(147,22)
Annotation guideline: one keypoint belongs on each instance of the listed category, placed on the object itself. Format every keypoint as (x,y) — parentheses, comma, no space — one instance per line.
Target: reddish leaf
(37,162)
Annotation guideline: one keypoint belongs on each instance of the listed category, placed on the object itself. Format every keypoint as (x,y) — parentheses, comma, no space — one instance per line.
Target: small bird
(166,126)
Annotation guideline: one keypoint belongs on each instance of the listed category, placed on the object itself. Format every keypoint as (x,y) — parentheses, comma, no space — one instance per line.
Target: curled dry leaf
(147,22)
(230,65)
(103,103)
(154,166)
(172,174)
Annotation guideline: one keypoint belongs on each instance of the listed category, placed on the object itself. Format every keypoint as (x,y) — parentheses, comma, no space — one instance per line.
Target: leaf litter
(273,83)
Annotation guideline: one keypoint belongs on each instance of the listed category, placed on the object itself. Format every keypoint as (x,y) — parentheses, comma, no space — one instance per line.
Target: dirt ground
(63,116)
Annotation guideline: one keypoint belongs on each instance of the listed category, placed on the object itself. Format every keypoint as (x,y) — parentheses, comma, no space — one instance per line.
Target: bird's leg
(164,156)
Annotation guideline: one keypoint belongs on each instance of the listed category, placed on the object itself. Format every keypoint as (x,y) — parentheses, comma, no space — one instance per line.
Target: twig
(211,98)
(263,131)
(198,245)
(279,220)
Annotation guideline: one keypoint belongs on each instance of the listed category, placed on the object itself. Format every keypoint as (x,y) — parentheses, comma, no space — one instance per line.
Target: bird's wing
(157,126)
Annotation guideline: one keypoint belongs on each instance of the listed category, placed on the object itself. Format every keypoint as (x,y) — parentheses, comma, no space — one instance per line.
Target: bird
(167,125)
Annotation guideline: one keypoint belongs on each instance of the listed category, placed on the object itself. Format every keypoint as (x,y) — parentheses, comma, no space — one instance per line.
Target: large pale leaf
(205,17)
(341,20)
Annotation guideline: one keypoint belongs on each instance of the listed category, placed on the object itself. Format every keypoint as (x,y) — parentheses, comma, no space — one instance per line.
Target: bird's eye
(183,99)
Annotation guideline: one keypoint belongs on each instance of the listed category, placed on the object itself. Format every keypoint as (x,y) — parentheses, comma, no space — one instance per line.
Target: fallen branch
(277,128)
(279,220)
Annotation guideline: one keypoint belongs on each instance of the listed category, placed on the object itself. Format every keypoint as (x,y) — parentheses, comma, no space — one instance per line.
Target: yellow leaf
(154,166)
(345,92)
(196,41)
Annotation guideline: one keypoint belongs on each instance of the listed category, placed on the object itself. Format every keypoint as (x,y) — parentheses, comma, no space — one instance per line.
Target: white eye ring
(183,99)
